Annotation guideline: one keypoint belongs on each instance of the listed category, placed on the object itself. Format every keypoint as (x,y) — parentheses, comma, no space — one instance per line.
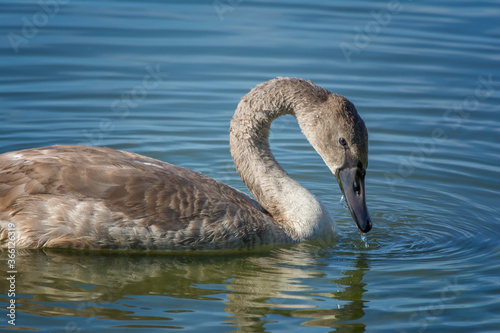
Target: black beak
(352,184)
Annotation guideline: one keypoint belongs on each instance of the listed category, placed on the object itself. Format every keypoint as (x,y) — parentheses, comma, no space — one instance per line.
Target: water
(162,78)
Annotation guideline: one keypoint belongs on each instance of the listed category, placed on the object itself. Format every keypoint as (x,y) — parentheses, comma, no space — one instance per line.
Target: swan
(86,197)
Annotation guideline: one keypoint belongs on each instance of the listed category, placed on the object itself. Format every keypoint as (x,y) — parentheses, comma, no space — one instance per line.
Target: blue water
(162,78)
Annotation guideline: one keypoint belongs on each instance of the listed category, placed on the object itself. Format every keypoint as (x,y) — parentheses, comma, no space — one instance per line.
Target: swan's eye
(342,141)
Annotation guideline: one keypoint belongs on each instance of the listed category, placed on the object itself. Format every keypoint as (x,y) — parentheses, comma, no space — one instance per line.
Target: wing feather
(81,196)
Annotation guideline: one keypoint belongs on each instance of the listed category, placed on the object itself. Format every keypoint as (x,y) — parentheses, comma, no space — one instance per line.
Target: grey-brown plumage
(97,197)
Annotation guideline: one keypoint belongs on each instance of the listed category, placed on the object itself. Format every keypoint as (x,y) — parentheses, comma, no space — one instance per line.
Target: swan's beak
(352,184)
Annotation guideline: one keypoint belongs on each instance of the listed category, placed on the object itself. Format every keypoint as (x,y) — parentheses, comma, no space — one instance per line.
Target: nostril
(357,188)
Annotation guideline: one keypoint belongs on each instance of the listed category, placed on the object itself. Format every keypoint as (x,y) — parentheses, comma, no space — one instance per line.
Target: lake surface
(162,78)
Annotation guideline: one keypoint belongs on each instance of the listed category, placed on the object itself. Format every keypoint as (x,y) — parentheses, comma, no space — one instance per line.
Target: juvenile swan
(97,198)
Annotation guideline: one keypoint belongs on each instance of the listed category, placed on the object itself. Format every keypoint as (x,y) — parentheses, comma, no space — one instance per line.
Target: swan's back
(96,197)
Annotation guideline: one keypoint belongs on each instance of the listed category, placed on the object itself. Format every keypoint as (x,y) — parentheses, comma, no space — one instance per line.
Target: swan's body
(96,197)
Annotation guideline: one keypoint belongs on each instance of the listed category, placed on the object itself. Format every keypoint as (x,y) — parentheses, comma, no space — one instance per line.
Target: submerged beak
(352,184)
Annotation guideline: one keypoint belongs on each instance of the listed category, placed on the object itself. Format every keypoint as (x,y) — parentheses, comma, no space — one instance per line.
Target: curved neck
(291,205)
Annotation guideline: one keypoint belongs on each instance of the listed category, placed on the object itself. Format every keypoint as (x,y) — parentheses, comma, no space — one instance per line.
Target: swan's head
(337,132)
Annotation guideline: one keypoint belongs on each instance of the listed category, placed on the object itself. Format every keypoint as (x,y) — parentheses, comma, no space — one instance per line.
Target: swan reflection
(252,291)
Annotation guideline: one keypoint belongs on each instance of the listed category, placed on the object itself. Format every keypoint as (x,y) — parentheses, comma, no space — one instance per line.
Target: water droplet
(343,202)
(364,238)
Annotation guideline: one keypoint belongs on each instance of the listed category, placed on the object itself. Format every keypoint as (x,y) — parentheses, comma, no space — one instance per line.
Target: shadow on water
(246,292)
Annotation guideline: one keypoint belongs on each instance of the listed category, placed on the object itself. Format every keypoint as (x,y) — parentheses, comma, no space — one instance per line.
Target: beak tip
(368,226)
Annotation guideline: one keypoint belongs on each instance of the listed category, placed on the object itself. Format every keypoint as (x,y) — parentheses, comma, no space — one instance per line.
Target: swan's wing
(78,196)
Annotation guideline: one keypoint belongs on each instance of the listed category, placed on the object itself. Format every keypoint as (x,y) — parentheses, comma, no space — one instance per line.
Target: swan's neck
(293,207)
